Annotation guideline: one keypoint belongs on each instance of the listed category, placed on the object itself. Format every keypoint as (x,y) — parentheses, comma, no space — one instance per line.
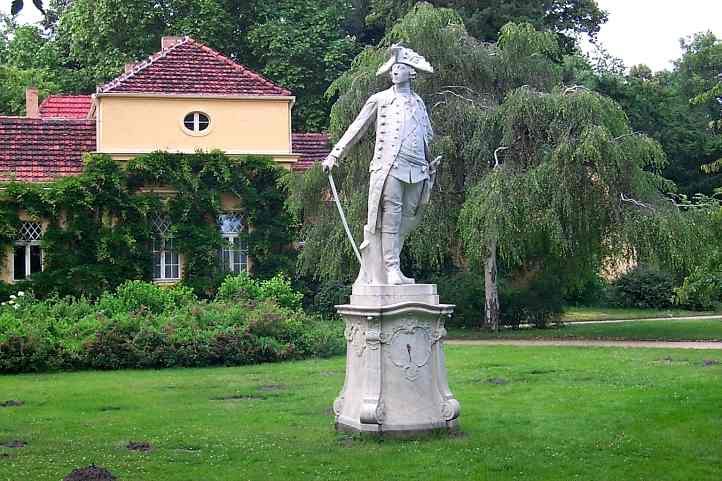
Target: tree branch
(574,89)
(635,202)
(496,152)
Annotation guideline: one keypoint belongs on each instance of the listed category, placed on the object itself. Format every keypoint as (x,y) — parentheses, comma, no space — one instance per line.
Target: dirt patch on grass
(497,380)
(238,397)
(11,403)
(105,409)
(272,388)
(328,373)
(141,446)
(710,362)
(542,371)
(16,444)
(91,473)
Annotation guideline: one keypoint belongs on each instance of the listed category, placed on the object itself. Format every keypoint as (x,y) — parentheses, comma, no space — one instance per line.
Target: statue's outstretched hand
(328,163)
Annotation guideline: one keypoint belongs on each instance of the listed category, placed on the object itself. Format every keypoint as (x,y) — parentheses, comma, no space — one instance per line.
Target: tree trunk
(491,311)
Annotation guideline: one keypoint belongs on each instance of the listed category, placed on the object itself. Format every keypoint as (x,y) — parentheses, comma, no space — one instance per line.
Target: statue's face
(400,73)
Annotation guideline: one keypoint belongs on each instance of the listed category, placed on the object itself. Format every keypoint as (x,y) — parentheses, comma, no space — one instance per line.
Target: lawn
(580,314)
(664,330)
(527,414)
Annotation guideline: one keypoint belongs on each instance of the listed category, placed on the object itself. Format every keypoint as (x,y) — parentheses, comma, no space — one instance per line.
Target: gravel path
(589,343)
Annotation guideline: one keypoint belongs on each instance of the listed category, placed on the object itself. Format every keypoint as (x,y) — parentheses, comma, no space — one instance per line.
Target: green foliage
(702,289)
(304,54)
(643,287)
(659,106)
(459,114)
(99,222)
(277,289)
(142,325)
(484,19)
(329,295)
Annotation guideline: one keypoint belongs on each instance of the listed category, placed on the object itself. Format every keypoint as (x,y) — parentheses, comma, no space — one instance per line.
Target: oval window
(196,122)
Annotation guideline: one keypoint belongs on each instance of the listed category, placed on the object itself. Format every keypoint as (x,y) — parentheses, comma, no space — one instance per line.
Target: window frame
(234,246)
(162,245)
(196,123)
(28,244)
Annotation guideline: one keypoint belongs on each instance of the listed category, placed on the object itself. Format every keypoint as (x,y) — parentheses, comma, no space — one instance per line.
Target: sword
(344,222)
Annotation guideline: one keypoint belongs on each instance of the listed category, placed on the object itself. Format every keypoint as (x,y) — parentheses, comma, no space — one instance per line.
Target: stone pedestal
(396,380)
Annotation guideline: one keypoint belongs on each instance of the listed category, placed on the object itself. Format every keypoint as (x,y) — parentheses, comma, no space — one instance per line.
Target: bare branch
(454,94)
(496,152)
(574,89)
(626,135)
(635,202)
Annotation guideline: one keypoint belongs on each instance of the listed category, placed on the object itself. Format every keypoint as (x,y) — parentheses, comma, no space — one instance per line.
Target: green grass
(664,330)
(579,314)
(564,414)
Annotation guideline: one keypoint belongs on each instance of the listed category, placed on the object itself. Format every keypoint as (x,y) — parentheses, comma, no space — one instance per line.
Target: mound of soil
(271,388)
(140,446)
(237,397)
(11,403)
(497,380)
(91,473)
(710,362)
(14,444)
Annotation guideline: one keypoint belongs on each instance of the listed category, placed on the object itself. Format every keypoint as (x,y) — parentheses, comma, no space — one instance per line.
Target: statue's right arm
(354,132)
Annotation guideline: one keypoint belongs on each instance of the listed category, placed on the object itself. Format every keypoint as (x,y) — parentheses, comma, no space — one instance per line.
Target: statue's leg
(392,204)
(410,216)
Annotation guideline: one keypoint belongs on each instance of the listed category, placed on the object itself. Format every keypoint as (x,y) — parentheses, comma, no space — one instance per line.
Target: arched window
(28,257)
(166,263)
(234,253)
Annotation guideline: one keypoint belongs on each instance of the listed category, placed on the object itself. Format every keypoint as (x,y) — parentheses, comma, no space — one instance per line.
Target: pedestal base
(396,380)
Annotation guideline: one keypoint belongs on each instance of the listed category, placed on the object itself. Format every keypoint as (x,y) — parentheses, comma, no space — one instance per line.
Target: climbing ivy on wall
(100,223)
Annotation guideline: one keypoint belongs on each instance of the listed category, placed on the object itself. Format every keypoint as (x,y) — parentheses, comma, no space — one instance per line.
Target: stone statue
(396,382)
(402,172)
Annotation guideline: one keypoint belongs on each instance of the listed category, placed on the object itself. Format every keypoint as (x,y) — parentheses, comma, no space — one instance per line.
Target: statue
(396,382)
(402,173)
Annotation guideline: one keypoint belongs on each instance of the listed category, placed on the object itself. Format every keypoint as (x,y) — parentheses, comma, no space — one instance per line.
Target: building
(186,97)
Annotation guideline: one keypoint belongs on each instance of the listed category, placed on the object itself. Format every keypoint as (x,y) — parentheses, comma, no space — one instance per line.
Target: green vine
(99,223)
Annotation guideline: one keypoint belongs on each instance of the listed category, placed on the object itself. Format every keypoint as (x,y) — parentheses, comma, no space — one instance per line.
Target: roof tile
(191,68)
(66,106)
(39,150)
(313,147)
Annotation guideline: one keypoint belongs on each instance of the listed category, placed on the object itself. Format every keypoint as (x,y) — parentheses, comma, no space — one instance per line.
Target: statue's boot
(391,251)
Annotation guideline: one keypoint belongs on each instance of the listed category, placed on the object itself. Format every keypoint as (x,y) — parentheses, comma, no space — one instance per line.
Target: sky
(638,31)
(648,31)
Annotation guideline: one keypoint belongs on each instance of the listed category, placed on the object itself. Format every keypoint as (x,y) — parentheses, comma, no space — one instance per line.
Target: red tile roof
(39,150)
(191,68)
(66,106)
(313,147)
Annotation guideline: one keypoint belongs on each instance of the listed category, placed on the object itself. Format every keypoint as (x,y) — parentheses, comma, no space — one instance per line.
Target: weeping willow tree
(470,80)
(534,173)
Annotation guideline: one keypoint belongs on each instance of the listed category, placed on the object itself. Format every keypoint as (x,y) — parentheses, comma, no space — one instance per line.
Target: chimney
(130,66)
(167,42)
(32,110)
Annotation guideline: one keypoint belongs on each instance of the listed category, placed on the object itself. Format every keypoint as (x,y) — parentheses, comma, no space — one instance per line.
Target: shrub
(145,326)
(244,287)
(537,303)
(703,288)
(466,291)
(135,295)
(329,295)
(643,287)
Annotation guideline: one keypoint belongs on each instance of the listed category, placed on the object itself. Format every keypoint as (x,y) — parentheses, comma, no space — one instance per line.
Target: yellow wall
(137,124)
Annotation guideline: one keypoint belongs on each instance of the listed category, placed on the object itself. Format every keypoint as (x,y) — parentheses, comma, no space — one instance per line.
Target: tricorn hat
(406,56)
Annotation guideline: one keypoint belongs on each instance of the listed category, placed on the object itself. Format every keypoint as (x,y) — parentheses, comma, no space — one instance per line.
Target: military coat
(385,109)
